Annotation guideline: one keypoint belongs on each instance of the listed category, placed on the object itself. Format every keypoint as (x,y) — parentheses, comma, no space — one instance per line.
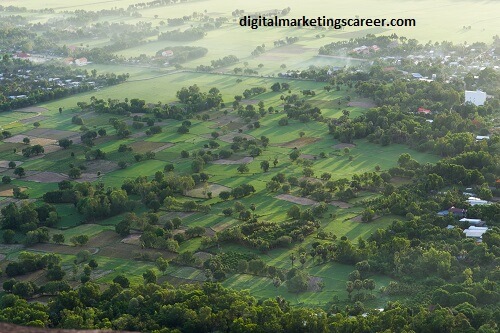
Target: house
(81,62)
(417,75)
(482,137)
(167,53)
(21,55)
(456,212)
(423,111)
(475,97)
(474,222)
(477,201)
(475,232)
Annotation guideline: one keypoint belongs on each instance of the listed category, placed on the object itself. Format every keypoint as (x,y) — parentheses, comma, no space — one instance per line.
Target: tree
(79,240)
(65,143)
(26,141)
(12,165)
(149,276)
(74,173)
(242,168)
(162,264)
(6,180)
(264,165)
(294,155)
(19,171)
(58,238)
(8,236)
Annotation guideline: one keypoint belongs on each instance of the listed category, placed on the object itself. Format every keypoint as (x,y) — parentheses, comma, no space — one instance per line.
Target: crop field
(186,166)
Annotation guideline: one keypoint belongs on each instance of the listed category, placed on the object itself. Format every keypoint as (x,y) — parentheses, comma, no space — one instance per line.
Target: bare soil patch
(100,165)
(46,177)
(230,136)
(5,164)
(133,239)
(296,200)
(145,146)
(299,143)
(10,192)
(32,119)
(362,104)
(32,109)
(340,204)
(33,140)
(243,160)
(51,148)
(104,238)
(344,145)
(51,133)
(225,120)
(201,190)
(87,177)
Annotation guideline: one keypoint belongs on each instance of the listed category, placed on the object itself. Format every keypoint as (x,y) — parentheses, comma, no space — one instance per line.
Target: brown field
(100,165)
(133,239)
(51,148)
(361,104)
(225,120)
(230,136)
(299,143)
(87,177)
(243,160)
(200,190)
(10,192)
(46,177)
(33,140)
(145,146)
(296,200)
(340,204)
(51,133)
(5,164)
(344,145)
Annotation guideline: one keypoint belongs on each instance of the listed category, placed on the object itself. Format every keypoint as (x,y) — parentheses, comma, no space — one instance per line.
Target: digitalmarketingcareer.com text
(323,21)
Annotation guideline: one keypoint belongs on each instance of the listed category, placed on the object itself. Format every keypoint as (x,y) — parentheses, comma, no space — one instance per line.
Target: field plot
(296,200)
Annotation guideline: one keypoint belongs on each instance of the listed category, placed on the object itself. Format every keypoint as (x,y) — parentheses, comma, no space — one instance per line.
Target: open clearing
(201,191)
(33,140)
(230,136)
(299,143)
(54,134)
(296,200)
(344,145)
(46,177)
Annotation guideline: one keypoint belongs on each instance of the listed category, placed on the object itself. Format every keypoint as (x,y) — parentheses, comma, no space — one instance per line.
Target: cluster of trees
(182,54)
(141,308)
(190,34)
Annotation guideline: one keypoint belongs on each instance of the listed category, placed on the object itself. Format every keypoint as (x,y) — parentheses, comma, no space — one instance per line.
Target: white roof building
(475,232)
(475,97)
